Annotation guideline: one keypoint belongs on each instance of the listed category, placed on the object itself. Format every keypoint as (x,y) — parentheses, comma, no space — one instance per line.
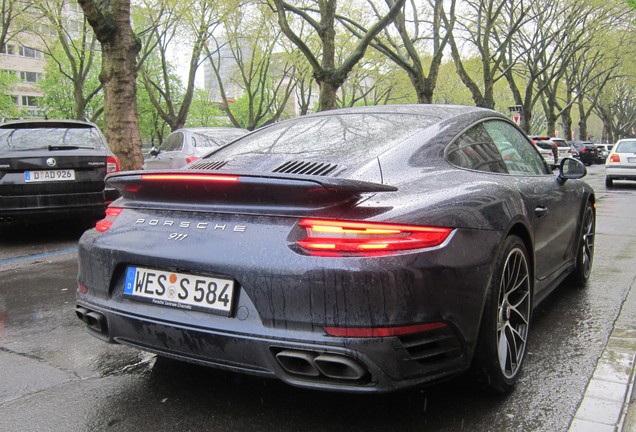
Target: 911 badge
(177,236)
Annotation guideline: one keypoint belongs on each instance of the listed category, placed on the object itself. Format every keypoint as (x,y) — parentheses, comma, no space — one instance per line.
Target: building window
(31,77)
(30,52)
(8,50)
(31,101)
(75,26)
(44,29)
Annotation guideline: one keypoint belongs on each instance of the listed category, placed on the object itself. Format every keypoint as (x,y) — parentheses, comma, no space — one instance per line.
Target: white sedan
(621,162)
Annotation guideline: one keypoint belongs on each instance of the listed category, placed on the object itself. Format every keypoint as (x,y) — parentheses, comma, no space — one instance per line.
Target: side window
(174,142)
(519,155)
(475,150)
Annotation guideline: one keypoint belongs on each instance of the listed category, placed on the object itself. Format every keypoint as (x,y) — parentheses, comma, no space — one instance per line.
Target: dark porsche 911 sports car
(362,250)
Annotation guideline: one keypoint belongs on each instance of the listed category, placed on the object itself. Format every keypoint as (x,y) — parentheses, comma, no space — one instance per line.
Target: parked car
(548,149)
(588,153)
(621,162)
(604,151)
(53,169)
(184,146)
(361,250)
(564,148)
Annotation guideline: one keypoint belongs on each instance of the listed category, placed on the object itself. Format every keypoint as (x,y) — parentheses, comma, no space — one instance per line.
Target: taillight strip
(189,177)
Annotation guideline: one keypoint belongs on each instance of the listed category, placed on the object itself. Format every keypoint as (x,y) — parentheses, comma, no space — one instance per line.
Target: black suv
(52,169)
(588,153)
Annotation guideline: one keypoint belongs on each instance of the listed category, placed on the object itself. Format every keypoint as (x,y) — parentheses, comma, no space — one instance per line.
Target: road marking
(36,256)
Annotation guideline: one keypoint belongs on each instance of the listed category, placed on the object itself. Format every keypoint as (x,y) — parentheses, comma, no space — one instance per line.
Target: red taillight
(615,158)
(82,288)
(112,164)
(190,177)
(191,159)
(325,237)
(360,332)
(111,215)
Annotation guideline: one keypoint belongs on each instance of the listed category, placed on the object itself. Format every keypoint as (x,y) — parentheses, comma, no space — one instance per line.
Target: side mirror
(154,152)
(571,169)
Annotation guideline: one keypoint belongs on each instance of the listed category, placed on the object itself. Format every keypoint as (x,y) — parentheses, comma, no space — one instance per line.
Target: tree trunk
(424,89)
(328,97)
(120,46)
(566,118)
(582,121)
(120,109)
(80,102)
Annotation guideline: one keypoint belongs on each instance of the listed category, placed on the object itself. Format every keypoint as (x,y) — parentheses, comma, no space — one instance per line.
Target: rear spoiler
(238,189)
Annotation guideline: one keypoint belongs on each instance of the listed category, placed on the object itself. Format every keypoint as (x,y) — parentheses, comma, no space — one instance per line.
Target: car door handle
(540,211)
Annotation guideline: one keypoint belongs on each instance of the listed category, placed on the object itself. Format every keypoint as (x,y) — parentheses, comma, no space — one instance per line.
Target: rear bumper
(15,209)
(357,365)
(620,172)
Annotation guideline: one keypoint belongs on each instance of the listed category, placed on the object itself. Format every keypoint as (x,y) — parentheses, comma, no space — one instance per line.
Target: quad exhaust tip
(313,364)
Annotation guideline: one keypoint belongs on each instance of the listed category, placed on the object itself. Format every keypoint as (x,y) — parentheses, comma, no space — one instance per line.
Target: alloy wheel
(587,242)
(513,313)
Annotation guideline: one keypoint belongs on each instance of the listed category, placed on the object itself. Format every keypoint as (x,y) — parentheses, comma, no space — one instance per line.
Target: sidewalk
(609,400)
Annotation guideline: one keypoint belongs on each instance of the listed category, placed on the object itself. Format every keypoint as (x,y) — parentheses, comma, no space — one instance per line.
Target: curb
(608,402)
(605,405)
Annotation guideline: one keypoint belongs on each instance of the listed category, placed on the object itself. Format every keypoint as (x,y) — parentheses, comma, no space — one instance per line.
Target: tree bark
(120,46)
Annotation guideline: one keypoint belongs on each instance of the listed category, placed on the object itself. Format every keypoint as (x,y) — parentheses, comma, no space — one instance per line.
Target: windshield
(44,138)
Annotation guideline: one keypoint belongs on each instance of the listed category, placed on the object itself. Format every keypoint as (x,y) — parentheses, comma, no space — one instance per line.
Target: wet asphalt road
(56,377)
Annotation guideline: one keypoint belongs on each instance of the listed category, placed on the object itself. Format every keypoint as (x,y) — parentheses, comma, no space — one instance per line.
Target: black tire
(505,326)
(585,247)
(609,182)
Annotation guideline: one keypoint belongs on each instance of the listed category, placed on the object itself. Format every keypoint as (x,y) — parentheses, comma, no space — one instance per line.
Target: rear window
(43,138)
(626,147)
(351,137)
(199,140)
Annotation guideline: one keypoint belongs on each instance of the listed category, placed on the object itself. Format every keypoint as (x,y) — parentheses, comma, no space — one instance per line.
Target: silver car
(565,149)
(187,145)
(604,151)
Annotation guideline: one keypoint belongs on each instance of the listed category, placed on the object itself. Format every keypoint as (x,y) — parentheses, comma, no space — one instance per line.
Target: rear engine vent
(207,165)
(306,168)
(434,347)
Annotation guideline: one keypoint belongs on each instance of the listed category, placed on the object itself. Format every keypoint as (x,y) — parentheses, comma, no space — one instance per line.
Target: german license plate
(179,290)
(49,175)
(631,160)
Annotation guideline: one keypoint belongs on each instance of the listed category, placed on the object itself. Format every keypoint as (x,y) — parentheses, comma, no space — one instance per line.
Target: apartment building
(27,63)
(24,57)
